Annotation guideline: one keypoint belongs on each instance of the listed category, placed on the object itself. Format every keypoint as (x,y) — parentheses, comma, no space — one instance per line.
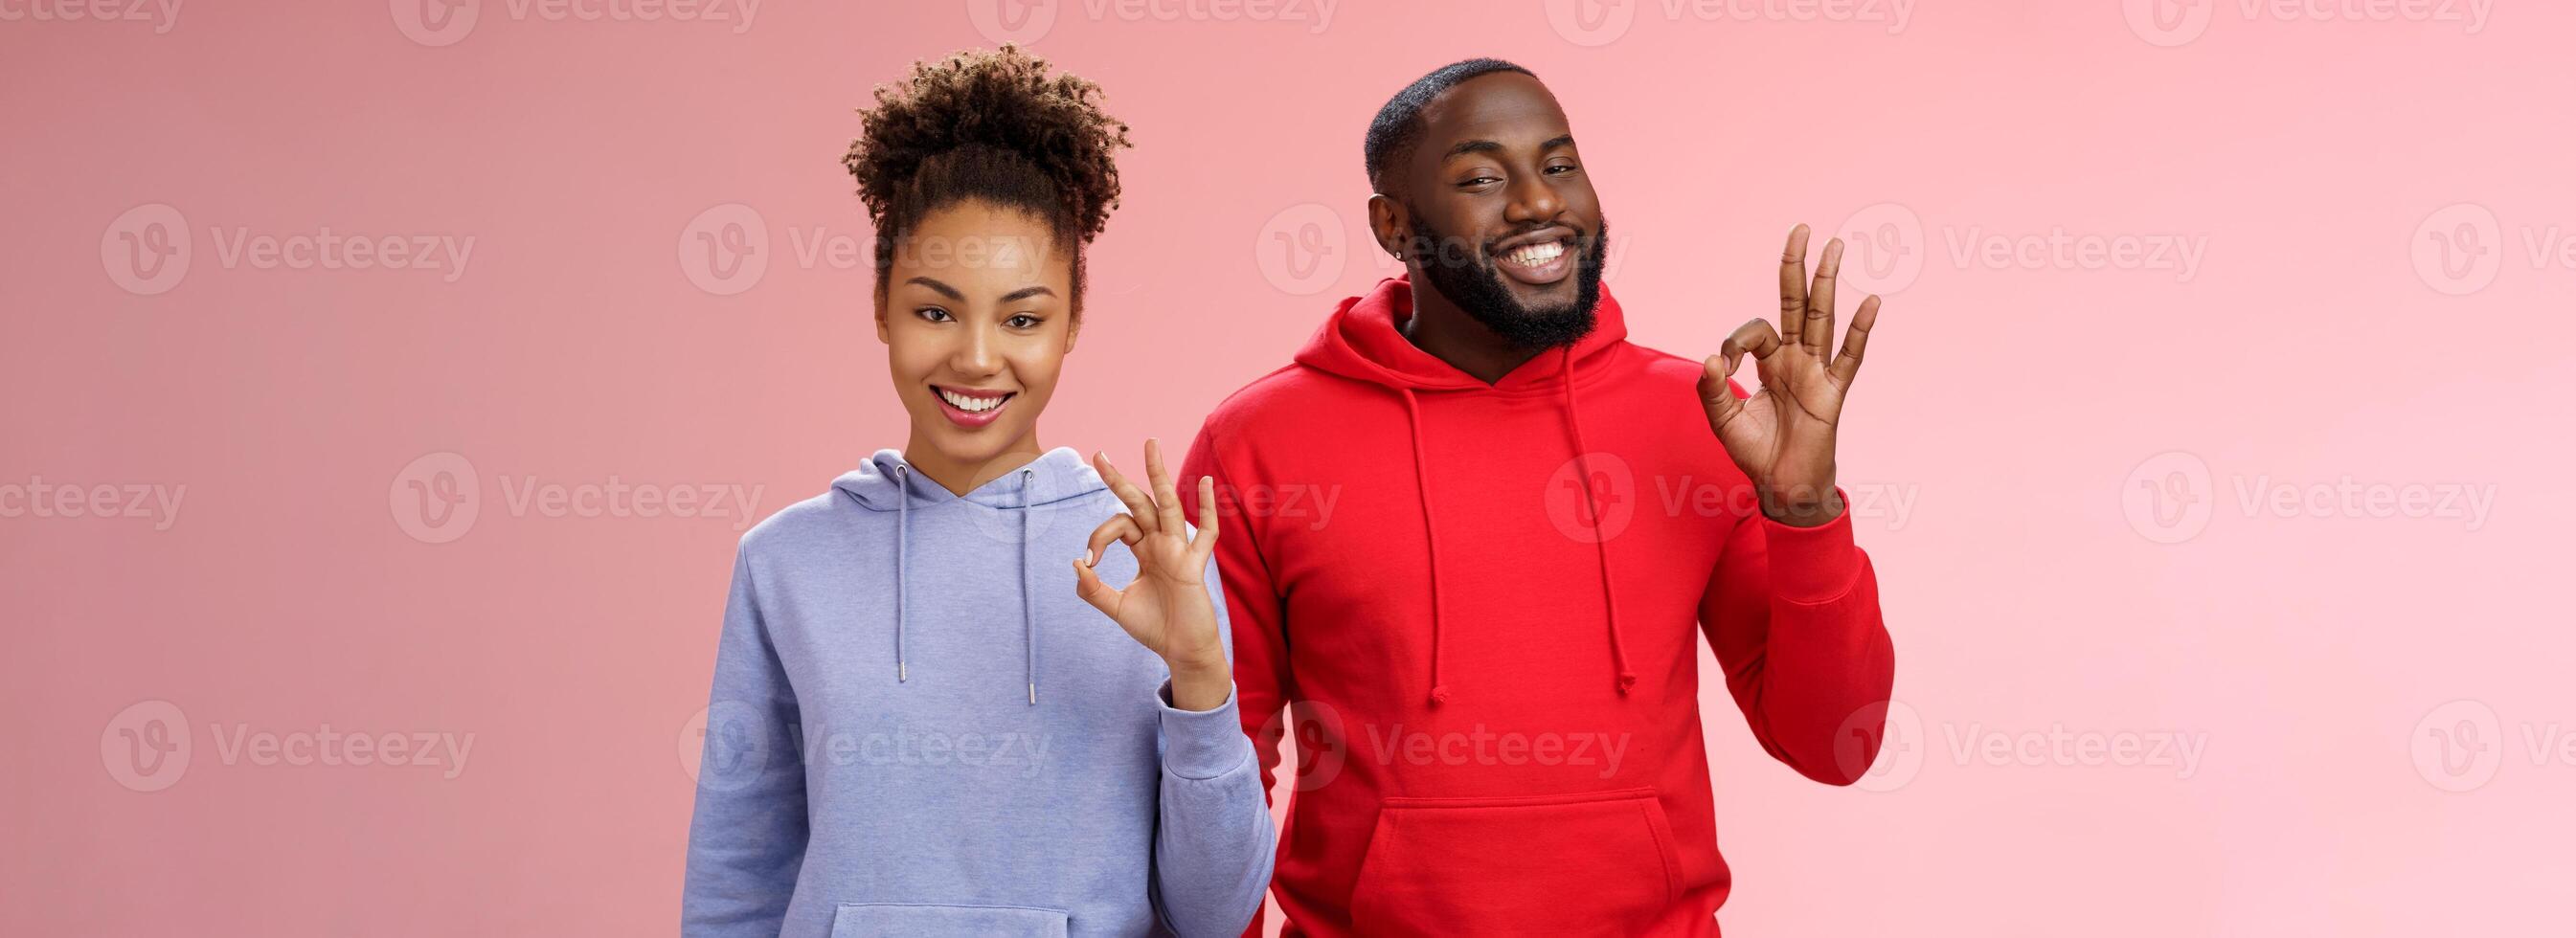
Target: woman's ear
(1072,331)
(882,335)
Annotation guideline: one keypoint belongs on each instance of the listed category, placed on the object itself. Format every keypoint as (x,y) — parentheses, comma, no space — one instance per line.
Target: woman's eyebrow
(944,290)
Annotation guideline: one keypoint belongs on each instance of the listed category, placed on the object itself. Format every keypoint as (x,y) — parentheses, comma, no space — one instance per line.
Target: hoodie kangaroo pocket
(1586,863)
(873,919)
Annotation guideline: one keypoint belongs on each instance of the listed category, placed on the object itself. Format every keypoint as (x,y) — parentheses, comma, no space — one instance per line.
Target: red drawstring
(1600,545)
(1600,542)
(1430,536)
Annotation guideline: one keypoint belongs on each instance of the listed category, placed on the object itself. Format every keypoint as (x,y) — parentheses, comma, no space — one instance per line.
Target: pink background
(2334,327)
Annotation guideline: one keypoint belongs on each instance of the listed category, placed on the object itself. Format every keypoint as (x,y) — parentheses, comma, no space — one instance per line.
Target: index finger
(1120,528)
(1138,506)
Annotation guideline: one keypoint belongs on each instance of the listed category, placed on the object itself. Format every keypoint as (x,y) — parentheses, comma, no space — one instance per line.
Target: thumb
(1101,596)
(1715,391)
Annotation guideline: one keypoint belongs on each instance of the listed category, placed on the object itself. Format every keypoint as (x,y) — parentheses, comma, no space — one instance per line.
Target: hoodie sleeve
(1793,616)
(1252,609)
(747,839)
(1254,620)
(1213,842)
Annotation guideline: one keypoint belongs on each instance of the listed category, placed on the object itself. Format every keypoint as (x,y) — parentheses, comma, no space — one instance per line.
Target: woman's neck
(960,476)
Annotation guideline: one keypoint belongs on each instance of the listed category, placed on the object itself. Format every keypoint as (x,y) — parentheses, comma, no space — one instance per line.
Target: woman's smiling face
(976,315)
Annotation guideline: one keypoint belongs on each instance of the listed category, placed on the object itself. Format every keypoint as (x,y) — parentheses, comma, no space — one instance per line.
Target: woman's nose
(977,355)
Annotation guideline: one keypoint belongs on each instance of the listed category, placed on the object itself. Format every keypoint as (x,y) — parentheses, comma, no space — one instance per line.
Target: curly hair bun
(989,126)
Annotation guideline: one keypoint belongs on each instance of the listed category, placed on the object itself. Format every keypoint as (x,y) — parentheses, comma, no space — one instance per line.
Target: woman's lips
(966,416)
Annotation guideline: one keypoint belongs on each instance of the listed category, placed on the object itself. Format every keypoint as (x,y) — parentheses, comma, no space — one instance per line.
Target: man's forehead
(1505,107)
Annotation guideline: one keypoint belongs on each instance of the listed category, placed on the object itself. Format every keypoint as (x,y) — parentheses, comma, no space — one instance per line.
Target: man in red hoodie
(1477,528)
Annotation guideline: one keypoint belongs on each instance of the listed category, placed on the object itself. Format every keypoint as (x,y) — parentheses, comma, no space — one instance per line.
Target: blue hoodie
(918,728)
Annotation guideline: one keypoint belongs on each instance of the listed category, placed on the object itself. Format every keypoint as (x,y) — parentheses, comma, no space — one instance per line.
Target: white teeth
(972,405)
(1533,255)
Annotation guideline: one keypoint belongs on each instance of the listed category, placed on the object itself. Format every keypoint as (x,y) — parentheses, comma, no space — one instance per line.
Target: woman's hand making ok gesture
(1166,608)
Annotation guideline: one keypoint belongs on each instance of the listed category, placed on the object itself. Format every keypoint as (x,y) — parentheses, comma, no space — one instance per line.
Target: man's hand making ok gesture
(1783,436)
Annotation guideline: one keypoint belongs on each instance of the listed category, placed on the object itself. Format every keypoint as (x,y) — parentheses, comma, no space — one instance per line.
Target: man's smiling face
(1502,216)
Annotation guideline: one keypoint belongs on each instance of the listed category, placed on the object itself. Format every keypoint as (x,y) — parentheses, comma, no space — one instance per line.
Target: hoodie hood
(886,482)
(1005,504)
(1363,341)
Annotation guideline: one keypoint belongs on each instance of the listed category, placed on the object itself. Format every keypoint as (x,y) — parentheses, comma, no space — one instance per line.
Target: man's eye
(1478,181)
(1562,168)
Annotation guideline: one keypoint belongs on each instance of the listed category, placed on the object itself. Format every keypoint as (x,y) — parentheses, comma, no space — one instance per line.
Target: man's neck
(1439,327)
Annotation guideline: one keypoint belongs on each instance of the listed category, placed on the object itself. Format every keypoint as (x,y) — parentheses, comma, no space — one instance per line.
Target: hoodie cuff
(1201,743)
(1813,565)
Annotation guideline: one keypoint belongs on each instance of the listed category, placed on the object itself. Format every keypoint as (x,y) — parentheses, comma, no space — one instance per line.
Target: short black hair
(1399,124)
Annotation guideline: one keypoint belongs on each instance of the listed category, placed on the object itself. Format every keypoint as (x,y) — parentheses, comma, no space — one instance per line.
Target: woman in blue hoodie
(922,723)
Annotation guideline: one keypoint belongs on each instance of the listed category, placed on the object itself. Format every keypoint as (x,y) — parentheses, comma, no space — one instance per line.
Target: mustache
(1582,238)
(1454,251)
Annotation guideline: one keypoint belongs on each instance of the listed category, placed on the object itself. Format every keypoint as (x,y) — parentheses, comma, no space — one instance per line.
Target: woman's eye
(1022,321)
(932,313)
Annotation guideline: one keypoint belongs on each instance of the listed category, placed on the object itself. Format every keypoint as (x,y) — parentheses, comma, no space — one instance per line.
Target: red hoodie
(1496,699)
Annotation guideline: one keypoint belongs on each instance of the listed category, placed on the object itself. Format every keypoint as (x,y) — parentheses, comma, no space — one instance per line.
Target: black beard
(1461,273)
